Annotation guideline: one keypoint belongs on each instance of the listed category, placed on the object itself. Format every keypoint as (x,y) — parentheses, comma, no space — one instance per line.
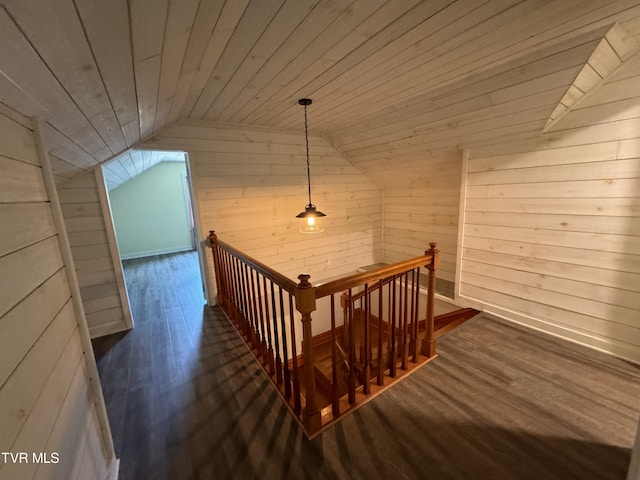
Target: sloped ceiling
(131,164)
(398,85)
(611,53)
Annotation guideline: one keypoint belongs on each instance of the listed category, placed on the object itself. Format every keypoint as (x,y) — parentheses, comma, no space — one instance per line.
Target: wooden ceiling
(131,164)
(398,85)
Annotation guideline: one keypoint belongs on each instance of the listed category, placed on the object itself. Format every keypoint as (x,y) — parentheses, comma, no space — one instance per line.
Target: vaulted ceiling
(129,165)
(397,84)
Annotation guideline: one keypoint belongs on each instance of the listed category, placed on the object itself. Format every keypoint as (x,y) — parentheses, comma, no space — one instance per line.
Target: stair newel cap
(212,237)
(435,254)
(343,298)
(305,294)
(304,280)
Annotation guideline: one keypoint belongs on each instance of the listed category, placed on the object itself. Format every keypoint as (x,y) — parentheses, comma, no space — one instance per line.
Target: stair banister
(240,295)
(357,279)
(278,278)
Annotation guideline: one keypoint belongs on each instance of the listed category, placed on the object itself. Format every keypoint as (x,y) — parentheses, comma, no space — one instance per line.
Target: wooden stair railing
(258,300)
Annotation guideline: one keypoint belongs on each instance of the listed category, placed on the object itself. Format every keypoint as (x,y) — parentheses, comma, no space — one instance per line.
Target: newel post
(428,343)
(216,267)
(305,304)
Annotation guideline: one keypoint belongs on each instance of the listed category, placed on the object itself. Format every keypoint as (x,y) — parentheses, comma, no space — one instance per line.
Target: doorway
(151,203)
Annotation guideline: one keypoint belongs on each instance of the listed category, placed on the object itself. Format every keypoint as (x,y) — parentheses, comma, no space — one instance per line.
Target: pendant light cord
(306,137)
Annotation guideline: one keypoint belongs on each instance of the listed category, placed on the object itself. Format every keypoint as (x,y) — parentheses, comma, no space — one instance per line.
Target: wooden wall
(47,382)
(552,224)
(93,248)
(251,183)
(415,216)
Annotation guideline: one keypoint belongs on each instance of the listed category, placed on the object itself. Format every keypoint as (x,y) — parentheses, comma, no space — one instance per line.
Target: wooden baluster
(216,265)
(260,301)
(352,351)
(285,348)
(245,300)
(223,293)
(380,335)
(255,302)
(240,298)
(345,318)
(415,296)
(367,342)
(235,282)
(275,337)
(252,330)
(400,305)
(392,340)
(295,380)
(335,395)
(269,360)
(255,334)
(259,314)
(428,342)
(225,288)
(405,323)
(240,284)
(305,304)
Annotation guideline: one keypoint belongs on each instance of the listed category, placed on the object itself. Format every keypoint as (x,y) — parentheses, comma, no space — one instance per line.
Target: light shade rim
(310,211)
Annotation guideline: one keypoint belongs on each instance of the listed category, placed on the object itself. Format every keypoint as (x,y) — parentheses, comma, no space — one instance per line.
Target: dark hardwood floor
(187,401)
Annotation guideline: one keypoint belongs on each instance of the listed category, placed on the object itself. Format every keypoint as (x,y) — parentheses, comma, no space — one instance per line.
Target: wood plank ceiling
(396,83)
(131,164)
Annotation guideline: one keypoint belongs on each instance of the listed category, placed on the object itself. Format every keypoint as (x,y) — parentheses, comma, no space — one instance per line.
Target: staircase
(322,347)
(381,328)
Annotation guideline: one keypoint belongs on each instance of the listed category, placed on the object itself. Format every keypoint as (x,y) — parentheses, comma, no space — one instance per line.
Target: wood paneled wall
(96,262)
(47,382)
(413,217)
(552,225)
(251,183)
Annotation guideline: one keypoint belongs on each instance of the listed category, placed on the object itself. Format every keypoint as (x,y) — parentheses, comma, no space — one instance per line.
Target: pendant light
(310,218)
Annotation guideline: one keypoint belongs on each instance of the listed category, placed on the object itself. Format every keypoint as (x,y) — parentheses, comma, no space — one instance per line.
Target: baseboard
(115,469)
(443,298)
(164,251)
(108,329)
(607,346)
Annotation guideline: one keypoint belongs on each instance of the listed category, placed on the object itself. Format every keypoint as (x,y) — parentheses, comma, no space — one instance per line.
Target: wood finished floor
(187,401)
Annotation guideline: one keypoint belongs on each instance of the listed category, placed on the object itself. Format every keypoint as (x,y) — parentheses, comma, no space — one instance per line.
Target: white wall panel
(251,183)
(42,347)
(552,227)
(105,303)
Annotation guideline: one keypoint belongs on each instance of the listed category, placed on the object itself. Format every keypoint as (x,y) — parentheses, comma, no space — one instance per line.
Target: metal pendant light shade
(310,218)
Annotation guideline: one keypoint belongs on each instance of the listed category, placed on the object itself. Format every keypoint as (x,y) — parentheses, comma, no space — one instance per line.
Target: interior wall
(416,216)
(150,212)
(47,382)
(100,275)
(250,184)
(552,225)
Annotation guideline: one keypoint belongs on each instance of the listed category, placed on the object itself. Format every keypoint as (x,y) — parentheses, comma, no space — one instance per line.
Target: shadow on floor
(186,400)
(220,417)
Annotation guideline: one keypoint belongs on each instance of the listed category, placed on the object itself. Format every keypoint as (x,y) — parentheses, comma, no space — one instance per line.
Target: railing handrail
(351,281)
(278,278)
